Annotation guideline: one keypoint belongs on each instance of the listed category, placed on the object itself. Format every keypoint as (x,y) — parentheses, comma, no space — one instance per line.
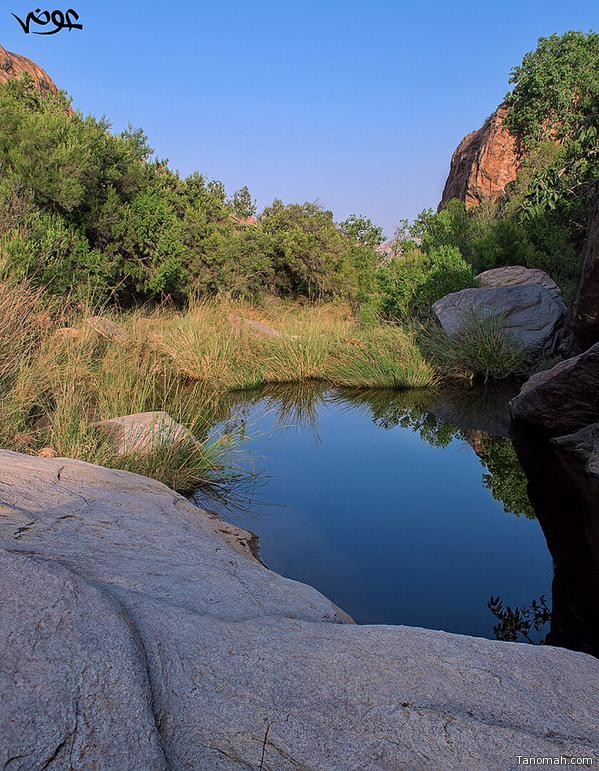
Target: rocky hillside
(15,66)
(484,163)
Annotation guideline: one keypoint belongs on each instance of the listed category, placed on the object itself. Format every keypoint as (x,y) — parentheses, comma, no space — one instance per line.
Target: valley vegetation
(92,224)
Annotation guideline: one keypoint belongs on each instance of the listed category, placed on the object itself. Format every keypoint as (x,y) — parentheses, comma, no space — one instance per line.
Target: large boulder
(563,398)
(518,275)
(135,636)
(144,432)
(530,314)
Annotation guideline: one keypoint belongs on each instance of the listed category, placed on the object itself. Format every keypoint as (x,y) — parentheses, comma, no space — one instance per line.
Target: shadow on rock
(567,506)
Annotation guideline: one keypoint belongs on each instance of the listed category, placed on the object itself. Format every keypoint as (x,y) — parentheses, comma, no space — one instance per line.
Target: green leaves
(556,88)
(84,210)
(410,285)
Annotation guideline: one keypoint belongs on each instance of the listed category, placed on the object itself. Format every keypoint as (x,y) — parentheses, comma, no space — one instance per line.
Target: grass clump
(387,357)
(56,387)
(480,349)
(325,343)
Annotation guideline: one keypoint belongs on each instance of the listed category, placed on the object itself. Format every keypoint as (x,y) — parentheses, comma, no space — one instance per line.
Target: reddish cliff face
(15,66)
(483,164)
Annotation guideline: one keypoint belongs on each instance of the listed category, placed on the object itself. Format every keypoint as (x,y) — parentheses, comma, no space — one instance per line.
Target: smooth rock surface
(564,398)
(144,431)
(518,275)
(531,316)
(138,637)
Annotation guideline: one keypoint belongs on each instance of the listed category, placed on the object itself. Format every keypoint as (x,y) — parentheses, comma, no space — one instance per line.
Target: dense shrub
(410,285)
(89,213)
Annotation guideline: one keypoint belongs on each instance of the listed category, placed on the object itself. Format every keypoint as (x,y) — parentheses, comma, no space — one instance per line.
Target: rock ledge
(135,636)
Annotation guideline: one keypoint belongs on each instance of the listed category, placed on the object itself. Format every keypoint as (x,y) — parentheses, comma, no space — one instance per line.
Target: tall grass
(56,387)
(384,358)
(325,343)
(59,377)
(481,348)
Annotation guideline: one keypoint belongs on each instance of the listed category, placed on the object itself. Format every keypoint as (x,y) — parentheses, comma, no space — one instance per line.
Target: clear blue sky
(357,105)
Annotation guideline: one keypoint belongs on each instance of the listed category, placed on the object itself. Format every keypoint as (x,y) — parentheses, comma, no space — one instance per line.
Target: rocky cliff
(15,66)
(484,163)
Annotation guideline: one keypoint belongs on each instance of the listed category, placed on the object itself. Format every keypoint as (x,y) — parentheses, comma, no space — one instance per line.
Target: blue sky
(356,105)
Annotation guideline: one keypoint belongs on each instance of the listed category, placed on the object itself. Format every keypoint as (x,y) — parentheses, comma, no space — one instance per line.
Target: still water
(402,508)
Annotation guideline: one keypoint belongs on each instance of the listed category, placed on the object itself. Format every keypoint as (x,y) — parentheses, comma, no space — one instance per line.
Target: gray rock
(138,637)
(518,275)
(73,674)
(531,316)
(584,446)
(241,324)
(563,398)
(143,432)
(108,329)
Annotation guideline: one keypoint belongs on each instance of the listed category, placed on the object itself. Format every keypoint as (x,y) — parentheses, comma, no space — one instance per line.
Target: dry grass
(323,342)
(56,384)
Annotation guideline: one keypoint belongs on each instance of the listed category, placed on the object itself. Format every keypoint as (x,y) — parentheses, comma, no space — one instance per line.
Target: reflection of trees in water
(294,404)
(413,410)
(520,623)
(426,412)
(506,480)
(407,409)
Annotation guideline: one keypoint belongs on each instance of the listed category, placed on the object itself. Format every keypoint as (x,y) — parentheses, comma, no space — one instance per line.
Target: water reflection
(322,540)
(477,416)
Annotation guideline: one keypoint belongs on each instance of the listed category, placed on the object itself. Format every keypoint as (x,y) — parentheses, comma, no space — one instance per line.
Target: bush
(88,213)
(410,285)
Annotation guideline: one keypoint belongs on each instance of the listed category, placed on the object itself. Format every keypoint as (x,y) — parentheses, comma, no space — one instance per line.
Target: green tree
(362,230)
(556,88)
(242,203)
(410,285)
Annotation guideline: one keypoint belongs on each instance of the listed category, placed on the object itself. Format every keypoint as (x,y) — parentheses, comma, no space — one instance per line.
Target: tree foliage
(556,89)
(87,212)
(541,220)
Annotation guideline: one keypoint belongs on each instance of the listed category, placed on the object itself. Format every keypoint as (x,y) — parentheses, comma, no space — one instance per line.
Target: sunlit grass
(325,343)
(61,375)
